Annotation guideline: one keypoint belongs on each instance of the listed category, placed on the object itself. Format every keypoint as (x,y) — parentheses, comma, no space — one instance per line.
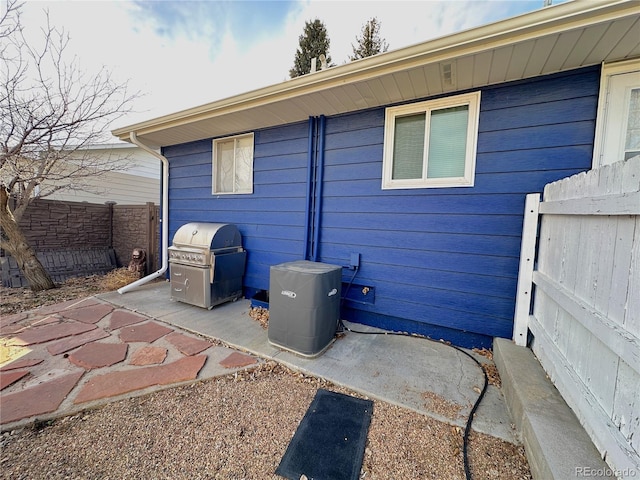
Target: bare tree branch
(50,113)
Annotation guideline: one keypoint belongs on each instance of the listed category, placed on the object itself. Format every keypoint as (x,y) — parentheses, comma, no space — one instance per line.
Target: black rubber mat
(330,440)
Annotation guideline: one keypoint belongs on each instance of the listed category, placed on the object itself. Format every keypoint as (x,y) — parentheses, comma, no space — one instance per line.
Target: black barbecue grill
(206,264)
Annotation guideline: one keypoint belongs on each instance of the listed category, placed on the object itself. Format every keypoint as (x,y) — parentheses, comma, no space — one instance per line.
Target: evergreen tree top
(369,43)
(312,43)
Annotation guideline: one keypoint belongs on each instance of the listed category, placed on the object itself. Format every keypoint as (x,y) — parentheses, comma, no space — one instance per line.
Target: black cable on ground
(467,429)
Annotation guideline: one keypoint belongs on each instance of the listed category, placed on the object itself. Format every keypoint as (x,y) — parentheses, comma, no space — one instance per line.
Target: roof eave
(552,19)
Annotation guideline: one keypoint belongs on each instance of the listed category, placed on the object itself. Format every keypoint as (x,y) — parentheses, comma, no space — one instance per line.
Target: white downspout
(165,216)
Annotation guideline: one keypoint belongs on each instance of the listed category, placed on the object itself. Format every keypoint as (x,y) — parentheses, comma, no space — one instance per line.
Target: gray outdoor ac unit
(304,306)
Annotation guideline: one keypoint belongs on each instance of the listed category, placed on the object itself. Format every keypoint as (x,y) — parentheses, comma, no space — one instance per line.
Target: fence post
(151,237)
(110,205)
(525,271)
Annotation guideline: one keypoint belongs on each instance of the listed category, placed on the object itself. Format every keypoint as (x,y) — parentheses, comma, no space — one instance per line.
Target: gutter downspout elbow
(165,216)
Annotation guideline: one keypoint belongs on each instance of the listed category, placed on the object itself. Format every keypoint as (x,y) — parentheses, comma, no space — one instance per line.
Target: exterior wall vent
(448,75)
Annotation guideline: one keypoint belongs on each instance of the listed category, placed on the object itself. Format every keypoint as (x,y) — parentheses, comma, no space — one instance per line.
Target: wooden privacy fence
(584,319)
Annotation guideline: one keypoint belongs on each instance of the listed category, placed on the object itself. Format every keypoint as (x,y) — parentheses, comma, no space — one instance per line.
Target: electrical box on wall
(355,261)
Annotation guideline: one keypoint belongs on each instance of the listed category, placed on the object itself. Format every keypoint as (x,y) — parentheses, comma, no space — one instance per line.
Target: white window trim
(608,70)
(214,162)
(470,99)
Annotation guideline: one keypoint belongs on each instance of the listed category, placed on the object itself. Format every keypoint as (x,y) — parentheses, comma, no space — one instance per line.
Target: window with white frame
(233,164)
(432,143)
(618,119)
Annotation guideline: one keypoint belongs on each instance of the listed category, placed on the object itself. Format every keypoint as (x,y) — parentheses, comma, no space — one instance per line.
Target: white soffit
(563,37)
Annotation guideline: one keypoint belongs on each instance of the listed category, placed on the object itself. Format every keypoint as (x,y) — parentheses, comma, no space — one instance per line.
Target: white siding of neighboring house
(138,184)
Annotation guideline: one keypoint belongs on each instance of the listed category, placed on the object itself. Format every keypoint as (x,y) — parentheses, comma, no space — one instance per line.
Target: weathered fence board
(585,315)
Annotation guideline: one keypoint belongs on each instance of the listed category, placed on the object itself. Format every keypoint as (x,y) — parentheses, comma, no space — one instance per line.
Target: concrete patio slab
(405,371)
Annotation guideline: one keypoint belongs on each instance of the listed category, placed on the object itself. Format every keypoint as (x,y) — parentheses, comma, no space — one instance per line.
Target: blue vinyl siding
(443,261)
(449,257)
(271,220)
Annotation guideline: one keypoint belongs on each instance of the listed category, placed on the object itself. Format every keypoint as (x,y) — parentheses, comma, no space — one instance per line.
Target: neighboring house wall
(137,184)
(122,188)
(586,315)
(440,261)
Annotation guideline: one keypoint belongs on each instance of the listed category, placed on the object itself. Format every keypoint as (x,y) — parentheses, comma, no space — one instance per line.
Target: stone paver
(97,355)
(122,318)
(187,345)
(148,356)
(90,314)
(24,363)
(146,332)
(11,329)
(95,336)
(118,383)
(50,332)
(237,359)
(7,320)
(39,321)
(69,343)
(59,307)
(7,378)
(43,398)
(34,321)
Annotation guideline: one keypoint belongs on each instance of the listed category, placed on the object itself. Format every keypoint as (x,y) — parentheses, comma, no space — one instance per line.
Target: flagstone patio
(63,358)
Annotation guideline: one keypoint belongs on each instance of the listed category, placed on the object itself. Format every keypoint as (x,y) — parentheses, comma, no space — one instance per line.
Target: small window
(233,165)
(431,144)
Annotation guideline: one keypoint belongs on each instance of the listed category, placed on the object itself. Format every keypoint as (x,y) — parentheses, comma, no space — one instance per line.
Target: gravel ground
(14,300)
(235,427)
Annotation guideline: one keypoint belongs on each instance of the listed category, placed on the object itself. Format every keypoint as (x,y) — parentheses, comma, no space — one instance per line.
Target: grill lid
(209,236)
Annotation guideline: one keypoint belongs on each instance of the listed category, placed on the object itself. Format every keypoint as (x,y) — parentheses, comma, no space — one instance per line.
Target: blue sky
(249,21)
(182,54)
